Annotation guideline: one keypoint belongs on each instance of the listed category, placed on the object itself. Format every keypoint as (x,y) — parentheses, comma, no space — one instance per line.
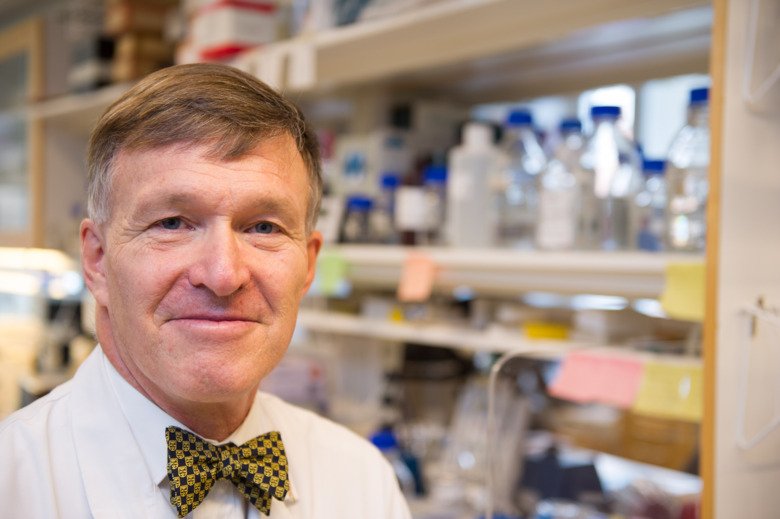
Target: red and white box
(223,28)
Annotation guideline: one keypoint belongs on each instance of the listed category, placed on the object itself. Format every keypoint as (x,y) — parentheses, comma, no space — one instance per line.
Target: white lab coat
(86,450)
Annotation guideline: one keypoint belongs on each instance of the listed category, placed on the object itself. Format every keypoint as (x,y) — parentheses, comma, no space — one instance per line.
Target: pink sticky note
(417,275)
(593,377)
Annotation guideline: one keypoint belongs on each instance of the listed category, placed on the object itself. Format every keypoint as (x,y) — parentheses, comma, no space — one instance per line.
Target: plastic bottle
(472,167)
(648,213)
(356,228)
(435,187)
(516,190)
(386,442)
(687,180)
(382,220)
(611,158)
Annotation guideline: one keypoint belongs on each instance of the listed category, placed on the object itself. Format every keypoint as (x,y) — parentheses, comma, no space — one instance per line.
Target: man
(204,187)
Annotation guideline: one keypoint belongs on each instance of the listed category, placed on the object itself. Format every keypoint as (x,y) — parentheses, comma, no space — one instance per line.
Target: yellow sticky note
(417,276)
(683,295)
(671,391)
(331,277)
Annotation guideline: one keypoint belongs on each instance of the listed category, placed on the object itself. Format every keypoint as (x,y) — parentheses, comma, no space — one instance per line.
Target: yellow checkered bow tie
(258,468)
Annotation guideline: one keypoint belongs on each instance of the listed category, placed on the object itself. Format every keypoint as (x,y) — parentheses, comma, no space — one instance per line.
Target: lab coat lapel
(116,480)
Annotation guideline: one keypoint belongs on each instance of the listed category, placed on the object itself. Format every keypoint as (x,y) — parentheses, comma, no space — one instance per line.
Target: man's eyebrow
(268,204)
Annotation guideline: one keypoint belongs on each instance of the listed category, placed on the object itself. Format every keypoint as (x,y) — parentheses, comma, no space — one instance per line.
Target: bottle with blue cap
(356,228)
(516,190)
(648,213)
(687,177)
(382,220)
(612,161)
(561,191)
(435,187)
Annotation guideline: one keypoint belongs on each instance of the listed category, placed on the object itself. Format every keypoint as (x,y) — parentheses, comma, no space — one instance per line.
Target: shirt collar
(148,422)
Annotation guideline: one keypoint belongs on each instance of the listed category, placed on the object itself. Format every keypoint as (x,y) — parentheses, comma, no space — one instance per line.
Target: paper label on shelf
(417,276)
(331,279)
(683,296)
(671,391)
(588,377)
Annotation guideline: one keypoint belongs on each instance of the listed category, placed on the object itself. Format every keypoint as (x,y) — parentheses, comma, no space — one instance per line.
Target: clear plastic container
(472,168)
(649,209)
(517,187)
(612,161)
(687,178)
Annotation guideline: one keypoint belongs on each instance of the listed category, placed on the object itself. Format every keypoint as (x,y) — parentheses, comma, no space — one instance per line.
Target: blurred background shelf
(506,272)
(499,49)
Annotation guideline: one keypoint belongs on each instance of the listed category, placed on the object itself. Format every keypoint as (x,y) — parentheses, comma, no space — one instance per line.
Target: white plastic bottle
(472,168)
(561,192)
(611,158)
(517,188)
(687,180)
(649,209)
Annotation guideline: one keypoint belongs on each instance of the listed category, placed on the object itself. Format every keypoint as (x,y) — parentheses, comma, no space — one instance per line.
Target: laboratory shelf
(497,49)
(467,339)
(77,112)
(503,272)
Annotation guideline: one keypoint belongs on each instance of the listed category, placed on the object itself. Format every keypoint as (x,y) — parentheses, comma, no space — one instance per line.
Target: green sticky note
(331,278)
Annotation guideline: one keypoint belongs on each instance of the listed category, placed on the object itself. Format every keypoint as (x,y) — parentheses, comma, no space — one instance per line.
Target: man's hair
(216,106)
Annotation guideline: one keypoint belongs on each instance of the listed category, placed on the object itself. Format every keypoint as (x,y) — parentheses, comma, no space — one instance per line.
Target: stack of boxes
(137,28)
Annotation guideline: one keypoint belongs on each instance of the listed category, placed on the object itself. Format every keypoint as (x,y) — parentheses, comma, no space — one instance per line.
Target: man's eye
(264,228)
(170,224)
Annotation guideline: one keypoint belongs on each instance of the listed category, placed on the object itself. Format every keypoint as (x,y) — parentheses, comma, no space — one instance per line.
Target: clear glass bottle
(383,215)
(472,168)
(687,178)
(560,193)
(648,214)
(516,189)
(612,161)
(357,228)
(435,187)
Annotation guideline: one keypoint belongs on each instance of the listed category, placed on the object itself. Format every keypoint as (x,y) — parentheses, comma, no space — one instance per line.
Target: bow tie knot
(258,468)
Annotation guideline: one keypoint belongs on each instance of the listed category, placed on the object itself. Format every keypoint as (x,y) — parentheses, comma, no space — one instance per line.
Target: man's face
(202,266)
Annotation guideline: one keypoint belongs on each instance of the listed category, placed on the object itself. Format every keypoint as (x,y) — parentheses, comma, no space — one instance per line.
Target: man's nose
(221,263)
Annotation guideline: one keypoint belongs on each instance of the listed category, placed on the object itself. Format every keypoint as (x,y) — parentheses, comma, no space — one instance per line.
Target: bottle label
(557,224)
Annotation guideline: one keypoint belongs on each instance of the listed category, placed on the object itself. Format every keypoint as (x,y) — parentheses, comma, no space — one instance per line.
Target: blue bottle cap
(359,203)
(520,118)
(699,96)
(435,174)
(605,111)
(384,439)
(653,167)
(390,180)
(570,125)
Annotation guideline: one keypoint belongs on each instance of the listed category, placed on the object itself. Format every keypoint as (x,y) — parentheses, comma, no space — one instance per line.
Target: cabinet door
(21,82)
(741,437)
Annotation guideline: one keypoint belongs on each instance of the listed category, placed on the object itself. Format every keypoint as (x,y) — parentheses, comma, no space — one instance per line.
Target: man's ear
(93,260)
(312,249)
